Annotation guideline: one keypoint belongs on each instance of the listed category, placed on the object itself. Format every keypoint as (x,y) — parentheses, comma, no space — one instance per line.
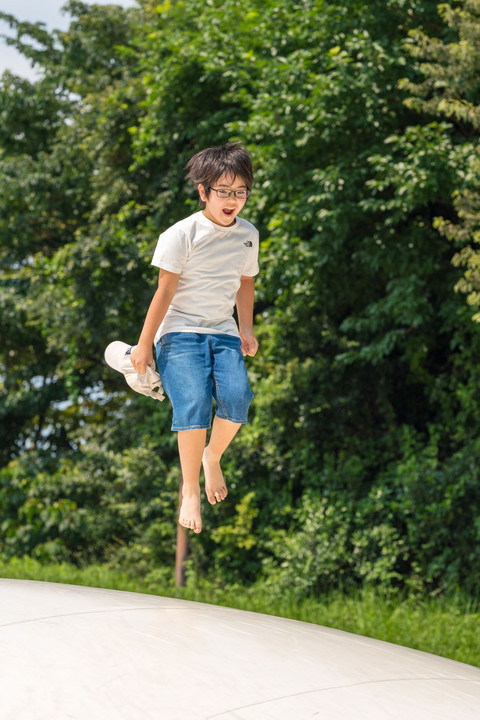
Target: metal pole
(181,553)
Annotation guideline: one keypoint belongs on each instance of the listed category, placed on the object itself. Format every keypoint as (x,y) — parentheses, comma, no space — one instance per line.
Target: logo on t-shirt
(248,243)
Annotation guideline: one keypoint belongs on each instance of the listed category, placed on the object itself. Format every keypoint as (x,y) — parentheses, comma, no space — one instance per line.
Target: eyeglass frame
(230,193)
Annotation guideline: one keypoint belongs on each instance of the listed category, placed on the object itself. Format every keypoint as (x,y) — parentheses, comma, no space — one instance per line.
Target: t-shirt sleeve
(172,250)
(251,268)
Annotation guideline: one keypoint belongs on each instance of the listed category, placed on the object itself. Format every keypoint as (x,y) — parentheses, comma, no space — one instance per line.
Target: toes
(217,496)
(190,525)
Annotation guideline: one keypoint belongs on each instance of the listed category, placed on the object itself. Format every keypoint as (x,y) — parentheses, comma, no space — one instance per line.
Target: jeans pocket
(167,339)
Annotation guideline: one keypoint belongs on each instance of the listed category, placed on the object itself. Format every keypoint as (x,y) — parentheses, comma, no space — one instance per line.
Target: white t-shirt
(210,260)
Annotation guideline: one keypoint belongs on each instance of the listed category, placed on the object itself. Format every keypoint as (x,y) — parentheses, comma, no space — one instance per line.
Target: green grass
(447,626)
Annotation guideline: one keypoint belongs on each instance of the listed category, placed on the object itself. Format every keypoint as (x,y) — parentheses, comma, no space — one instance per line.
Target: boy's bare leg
(223,432)
(191,444)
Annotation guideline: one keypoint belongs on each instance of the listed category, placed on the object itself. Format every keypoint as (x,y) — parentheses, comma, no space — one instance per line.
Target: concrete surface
(77,653)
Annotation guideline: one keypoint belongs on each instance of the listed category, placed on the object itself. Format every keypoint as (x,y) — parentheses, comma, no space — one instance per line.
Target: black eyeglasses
(239,194)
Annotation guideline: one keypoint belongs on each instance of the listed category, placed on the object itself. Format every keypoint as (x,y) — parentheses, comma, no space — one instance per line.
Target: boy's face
(223,211)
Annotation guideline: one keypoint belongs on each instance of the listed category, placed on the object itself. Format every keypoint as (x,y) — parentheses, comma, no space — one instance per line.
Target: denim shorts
(195,368)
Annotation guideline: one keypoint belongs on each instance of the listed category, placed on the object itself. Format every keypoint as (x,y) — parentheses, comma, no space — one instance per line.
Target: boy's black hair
(208,165)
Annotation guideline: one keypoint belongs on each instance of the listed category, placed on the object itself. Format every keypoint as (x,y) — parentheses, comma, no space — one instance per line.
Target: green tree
(56,233)
(448,88)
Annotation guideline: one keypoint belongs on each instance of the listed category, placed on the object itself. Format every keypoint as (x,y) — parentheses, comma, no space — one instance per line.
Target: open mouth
(228,212)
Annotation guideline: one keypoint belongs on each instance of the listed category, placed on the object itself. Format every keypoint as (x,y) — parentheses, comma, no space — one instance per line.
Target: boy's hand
(249,342)
(141,357)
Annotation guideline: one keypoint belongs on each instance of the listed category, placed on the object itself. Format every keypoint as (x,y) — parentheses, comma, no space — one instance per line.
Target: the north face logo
(248,243)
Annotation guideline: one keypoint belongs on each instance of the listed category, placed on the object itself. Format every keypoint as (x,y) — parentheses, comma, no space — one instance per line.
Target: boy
(207,265)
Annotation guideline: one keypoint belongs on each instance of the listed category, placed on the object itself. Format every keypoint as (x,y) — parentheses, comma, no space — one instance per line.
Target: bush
(417,527)
(97,509)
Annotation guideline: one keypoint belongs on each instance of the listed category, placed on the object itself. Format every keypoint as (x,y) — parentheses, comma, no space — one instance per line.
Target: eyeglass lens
(240,194)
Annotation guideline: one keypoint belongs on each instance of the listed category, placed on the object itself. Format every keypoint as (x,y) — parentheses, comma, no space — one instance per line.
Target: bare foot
(189,516)
(215,487)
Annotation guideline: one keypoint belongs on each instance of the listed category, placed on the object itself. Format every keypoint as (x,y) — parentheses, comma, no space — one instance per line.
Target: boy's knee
(193,413)
(234,405)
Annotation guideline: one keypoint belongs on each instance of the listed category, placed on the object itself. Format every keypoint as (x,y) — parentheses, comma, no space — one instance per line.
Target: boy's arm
(244,302)
(142,354)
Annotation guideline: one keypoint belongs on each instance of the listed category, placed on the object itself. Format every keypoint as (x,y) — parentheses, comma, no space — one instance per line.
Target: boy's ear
(201,192)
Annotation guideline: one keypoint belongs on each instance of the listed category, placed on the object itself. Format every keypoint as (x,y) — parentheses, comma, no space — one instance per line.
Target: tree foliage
(359,461)
(449,89)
